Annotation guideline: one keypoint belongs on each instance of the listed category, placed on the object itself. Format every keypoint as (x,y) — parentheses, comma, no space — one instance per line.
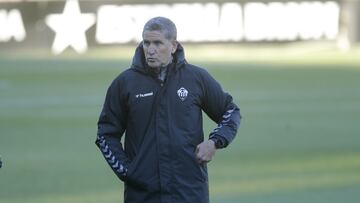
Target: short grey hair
(163,25)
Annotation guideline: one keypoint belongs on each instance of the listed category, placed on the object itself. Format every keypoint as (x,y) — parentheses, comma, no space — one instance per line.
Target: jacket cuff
(220,142)
(123,175)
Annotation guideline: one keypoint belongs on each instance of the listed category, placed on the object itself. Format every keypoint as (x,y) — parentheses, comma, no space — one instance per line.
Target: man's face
(157,48)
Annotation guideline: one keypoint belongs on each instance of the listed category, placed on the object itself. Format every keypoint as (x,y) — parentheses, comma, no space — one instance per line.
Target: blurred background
(293,67)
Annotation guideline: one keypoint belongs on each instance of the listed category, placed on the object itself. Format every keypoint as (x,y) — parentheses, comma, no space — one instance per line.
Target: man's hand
(205,151)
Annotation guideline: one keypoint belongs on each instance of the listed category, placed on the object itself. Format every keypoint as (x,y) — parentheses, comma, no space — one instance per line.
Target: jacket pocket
(131,179)
(138,176)
(187,167)
(201,170)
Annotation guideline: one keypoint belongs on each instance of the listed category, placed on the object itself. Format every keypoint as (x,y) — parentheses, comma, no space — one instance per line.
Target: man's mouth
(151,60)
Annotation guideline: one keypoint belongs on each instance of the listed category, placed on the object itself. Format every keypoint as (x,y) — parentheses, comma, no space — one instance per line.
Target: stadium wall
(26,23)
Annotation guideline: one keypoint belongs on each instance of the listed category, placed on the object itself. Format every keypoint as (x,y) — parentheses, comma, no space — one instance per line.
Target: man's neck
(162,71)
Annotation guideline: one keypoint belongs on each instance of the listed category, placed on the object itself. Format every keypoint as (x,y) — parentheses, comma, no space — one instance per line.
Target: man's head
(159,41)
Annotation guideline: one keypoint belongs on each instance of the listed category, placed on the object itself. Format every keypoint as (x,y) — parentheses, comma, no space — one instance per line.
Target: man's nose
(151,50)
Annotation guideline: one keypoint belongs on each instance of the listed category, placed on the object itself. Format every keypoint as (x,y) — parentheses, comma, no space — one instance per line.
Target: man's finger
(203,160)
(206,158)
(197,149)
(199,155)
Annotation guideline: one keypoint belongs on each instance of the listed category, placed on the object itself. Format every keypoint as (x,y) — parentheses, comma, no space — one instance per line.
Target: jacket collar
(139,63)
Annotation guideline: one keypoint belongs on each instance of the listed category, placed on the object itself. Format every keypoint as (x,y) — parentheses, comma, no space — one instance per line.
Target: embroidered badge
(182,93)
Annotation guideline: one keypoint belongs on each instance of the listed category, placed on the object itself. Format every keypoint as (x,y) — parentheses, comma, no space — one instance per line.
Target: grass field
(299,141)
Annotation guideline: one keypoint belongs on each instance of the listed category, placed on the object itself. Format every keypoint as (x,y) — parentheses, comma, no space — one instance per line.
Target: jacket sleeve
(111,126)
(219,106)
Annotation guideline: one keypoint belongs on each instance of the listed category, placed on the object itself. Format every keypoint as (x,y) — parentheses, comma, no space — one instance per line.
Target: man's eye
(146,43)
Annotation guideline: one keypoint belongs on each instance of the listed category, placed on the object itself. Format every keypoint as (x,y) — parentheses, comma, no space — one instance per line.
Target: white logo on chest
(182,93)
(144,95)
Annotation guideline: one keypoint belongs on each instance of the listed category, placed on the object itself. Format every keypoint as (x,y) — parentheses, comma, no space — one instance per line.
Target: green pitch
(299,140)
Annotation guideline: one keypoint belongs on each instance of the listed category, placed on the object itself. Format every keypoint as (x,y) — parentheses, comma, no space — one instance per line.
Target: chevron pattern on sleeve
(225,119)
(115,164)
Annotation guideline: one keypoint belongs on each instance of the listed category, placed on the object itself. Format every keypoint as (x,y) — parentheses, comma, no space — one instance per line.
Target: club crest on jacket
(182,93)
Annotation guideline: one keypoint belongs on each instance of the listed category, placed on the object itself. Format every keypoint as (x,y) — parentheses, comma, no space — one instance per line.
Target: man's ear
(174,46)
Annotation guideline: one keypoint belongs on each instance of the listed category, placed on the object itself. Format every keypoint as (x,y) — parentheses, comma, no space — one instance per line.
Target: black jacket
(162,122)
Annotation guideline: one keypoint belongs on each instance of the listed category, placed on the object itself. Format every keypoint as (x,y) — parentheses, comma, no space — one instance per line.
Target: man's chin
(153,65)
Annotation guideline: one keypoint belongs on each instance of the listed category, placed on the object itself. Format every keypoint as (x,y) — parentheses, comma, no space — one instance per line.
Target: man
(158,103)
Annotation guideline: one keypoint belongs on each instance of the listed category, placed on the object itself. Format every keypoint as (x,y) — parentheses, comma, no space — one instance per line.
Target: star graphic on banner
(70,27)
